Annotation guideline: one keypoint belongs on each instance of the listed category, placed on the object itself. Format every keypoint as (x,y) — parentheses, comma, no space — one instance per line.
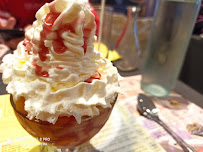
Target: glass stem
(69,149)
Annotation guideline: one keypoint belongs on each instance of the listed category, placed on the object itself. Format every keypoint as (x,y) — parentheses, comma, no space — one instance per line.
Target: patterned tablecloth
(125,130)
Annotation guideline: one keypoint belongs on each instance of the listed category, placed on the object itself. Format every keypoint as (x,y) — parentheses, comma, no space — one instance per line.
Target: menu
(125,131)
(181,115)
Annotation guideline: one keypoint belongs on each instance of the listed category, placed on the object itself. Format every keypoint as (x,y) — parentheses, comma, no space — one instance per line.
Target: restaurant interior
(137,87)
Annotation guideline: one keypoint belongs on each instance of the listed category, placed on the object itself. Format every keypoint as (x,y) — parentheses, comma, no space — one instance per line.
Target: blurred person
(198,29)
(20,14)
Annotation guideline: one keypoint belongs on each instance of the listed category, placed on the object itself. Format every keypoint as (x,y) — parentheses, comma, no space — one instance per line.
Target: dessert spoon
(147,108)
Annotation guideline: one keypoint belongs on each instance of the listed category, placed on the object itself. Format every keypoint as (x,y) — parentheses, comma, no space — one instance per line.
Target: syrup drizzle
(58,44)
(58,67)
(28,46)
(86,37)
(96,75)
(47,26)
(38,70)
(43,50)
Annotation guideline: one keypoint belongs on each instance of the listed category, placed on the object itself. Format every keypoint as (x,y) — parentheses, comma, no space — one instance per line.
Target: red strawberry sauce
(58,44)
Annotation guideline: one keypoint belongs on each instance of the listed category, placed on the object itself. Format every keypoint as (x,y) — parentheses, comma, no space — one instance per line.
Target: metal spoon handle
(181,142)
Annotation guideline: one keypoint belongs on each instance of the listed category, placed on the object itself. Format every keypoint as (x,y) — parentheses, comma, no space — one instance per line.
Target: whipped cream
(56,68)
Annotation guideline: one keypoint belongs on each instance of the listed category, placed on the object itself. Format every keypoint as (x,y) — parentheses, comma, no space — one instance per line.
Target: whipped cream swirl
(56,68)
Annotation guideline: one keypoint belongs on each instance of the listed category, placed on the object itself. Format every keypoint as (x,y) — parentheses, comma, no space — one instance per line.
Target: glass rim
(46,122)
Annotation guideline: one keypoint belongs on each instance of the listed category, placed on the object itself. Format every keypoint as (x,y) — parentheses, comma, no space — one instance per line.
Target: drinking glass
(127,45)
(66,134)
(167,45)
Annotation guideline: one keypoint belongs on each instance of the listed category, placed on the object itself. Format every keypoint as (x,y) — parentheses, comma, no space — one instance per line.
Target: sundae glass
(66,133)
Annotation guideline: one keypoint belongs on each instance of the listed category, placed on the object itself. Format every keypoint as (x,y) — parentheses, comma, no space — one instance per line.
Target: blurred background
(192,69)
(19,18)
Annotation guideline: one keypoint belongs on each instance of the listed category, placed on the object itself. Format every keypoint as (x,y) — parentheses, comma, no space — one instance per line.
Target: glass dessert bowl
(66,132)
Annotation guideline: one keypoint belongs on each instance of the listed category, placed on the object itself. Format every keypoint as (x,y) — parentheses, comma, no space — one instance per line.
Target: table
(126,129)
(181,88)
(179,112)
(135,128)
